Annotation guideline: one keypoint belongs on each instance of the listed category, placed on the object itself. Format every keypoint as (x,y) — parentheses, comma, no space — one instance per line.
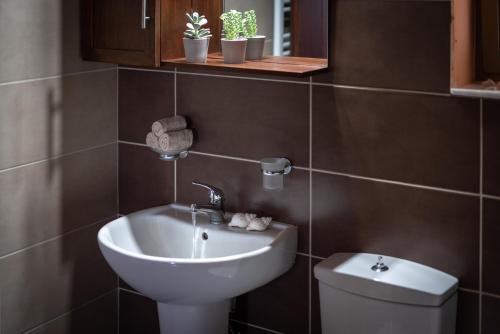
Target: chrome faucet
(215,207)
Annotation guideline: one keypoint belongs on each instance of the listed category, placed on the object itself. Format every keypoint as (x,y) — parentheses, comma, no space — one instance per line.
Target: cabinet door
(173,24)
(121,31)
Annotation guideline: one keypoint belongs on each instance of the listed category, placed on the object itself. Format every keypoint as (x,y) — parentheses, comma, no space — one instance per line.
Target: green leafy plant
(233,24)
(194,26)
(249,23)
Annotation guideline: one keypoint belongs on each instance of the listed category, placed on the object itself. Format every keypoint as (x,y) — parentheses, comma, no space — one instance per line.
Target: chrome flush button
(380,266)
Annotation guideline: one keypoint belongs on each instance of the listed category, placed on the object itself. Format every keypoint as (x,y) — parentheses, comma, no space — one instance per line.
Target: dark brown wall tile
(42,39)
(281,305)
(491,312)
(144,97)
(242,186)
(491,126)
(43,200)
(409,138)
(45,118)
(138,314)
(434,228)
(467,313)
(247,118)
(98,317)
(145,180)
(390,44)
(491,246)
(43,282)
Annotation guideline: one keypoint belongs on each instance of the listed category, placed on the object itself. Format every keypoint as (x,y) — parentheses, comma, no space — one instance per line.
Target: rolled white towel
(176,141)
(259,224)
(164,125)
(152,141)
(241,219)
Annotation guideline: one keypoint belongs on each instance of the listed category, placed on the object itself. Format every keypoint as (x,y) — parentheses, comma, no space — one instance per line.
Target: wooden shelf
(475,90)
(295,66)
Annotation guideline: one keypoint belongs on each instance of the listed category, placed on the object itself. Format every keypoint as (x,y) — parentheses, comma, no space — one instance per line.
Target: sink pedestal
(194,319)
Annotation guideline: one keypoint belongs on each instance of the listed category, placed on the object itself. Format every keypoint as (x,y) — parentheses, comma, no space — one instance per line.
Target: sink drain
(204,236)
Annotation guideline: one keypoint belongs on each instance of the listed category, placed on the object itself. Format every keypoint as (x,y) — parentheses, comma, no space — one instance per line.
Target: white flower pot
(255,47)
(196,50)
(234,50)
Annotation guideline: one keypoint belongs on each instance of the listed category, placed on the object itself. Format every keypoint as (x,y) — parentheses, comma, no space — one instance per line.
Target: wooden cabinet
(141,32)
(121,31)
(148,33)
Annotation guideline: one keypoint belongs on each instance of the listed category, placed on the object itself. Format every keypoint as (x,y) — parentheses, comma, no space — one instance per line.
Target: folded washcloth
(259,224)
(152,141)
(176,141)
(241,219)
(174,123)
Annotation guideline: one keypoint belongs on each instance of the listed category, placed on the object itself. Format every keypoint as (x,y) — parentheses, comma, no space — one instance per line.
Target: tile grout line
(117,186)
(145,69)
(118,139)
(492,295)
(56,237)
(255,326)
(469,290)
(80,307)
(244,78)
(489,294)
(226,157)
(51,77)
(353,176)
(310,204)
(382,90)
(132,143)
(55,157)
(309,82)
(117,308)
(399,183)
(491,197)
(318,257)
(175,114)
(132,291)
(481,213)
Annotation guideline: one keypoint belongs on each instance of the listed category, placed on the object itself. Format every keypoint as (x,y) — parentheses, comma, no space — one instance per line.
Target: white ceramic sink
(192,272)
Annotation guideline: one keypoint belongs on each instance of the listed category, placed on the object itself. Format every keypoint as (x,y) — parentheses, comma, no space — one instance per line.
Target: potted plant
(233,44)
(196,38)
(255,44)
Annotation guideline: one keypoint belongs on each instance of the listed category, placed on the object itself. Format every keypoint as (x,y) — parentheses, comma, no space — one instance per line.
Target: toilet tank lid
(404,282)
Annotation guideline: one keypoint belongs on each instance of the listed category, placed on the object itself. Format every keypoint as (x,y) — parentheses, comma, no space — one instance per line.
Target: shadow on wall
(57,173)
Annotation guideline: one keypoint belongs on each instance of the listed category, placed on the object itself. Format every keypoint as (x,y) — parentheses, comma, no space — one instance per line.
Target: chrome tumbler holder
(273,170)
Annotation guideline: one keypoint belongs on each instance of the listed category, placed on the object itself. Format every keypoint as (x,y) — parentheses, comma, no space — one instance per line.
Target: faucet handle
(216,195)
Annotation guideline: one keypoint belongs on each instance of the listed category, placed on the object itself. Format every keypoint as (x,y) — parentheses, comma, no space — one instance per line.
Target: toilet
(369,294)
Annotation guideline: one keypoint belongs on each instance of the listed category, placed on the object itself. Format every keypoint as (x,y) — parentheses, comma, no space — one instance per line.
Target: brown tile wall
(390,162)
(58,174)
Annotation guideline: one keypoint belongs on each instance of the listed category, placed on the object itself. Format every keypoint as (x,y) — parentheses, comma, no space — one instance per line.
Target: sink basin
(192,272)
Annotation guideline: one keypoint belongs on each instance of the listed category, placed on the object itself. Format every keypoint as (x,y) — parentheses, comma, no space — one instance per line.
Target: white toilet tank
(363,294)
